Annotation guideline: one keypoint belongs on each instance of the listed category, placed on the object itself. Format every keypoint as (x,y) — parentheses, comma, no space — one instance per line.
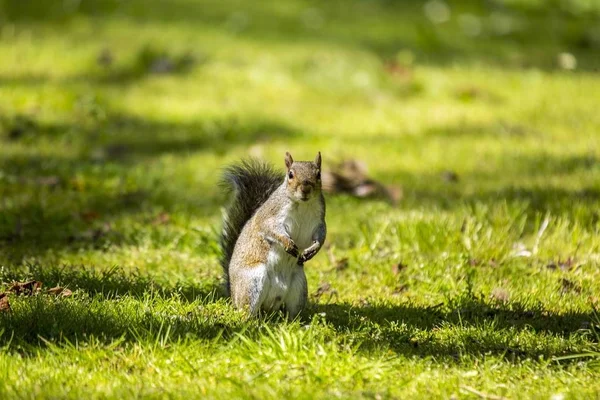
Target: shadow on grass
(478,328)
(108,305)
(63,201)
(143,311)
(111,304)
(113,283)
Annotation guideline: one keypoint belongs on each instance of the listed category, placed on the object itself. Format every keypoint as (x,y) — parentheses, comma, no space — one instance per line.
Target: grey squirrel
(272,226)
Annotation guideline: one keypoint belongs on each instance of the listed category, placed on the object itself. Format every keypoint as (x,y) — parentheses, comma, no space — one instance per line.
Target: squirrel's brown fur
(271,228)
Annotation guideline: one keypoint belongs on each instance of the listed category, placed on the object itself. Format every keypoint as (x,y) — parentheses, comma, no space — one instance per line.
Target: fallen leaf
(500,295)
(398,267)
(338,264)
(400,289)
(569,286)
(341,264)
(60,291)
(363,302)
(324,287)
(50,181)
(566,265)
(25,288)
(93,234)
(350,176)
(161,219)
(4,304)
(397,69)
(450,176)
(89,216)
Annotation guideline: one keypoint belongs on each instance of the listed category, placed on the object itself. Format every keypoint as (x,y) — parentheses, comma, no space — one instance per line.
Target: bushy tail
(249,184)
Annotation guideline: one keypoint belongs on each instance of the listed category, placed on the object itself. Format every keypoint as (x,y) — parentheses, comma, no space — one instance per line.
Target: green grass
(108,187)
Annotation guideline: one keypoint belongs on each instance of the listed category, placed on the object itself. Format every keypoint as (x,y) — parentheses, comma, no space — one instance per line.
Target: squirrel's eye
(291,175)
(318,174)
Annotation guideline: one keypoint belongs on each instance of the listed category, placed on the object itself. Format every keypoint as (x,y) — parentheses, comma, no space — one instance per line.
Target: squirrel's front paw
(307,254)
(292,249)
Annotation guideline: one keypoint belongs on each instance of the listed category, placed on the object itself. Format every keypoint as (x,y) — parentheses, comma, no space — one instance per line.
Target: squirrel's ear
(288,160)
(318,160)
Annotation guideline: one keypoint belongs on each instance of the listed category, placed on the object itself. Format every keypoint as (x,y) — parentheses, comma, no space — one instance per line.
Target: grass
(116,117)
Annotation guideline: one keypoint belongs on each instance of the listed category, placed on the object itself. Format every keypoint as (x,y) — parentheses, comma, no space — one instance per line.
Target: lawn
(116,118)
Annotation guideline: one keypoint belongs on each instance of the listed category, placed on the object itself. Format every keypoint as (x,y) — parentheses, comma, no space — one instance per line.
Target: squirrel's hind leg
(295,299)
(249,289)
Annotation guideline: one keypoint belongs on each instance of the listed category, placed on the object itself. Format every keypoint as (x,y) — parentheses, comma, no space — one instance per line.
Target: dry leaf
(350,176)
(500,294)
(50,181)
(398,267)
(338,265)
(569,286)
(161,219)
(25,288)
(60,291)
(450,176)
(566,265)
(400,289)
(397,70)
(4,304)
(341,264)
(89,216)
(324,287)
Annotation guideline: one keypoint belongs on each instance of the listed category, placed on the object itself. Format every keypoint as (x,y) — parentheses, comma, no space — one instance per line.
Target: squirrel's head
(303,178)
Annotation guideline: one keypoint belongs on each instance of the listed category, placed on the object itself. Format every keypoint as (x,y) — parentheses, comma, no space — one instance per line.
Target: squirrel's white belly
(281,269)
(302,222)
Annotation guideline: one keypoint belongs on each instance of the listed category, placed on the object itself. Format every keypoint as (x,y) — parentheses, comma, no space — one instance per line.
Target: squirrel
(273,225)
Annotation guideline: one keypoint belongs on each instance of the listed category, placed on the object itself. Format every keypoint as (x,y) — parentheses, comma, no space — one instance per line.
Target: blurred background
(117,115)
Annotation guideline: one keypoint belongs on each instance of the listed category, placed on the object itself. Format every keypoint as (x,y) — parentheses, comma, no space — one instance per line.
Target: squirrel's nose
(306,189)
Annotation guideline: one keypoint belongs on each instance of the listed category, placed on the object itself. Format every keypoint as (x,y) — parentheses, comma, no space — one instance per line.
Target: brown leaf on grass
(565,265)
(500,295)
(400,289)
(161,219)
(89,215)
(569,286)
(26,288)
(49,181)
(93,235)
(324,287)
(450,176)
(341,264)
(350,177)
(474,262)
(398,267)
(398,70)
(338,264)
(4,304)
(60,291)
